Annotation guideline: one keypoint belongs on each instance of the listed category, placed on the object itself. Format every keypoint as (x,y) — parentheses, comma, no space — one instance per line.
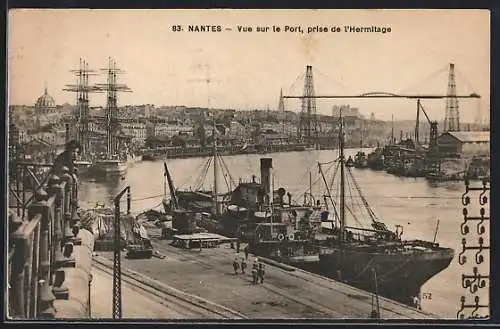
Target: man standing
(261,272)
(246,252)
(66,159)
(236,265)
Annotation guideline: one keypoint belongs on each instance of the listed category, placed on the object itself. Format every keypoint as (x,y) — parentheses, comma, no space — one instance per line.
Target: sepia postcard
(248,165)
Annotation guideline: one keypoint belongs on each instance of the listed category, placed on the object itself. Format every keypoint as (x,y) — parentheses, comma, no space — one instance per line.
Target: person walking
(243,266)
(261,272)
(236,265)
(245,250)
(255,273)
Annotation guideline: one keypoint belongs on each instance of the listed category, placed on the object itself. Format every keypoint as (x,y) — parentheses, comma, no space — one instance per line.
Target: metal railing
(41,245)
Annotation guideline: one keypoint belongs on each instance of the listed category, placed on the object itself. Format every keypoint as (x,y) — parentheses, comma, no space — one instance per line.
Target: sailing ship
(357,255)
(199,199)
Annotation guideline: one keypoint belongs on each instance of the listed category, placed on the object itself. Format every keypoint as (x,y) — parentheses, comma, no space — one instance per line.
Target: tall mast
(392,131)
(215,168)
(271,197)
(361,141)
(342,183)
(310,188)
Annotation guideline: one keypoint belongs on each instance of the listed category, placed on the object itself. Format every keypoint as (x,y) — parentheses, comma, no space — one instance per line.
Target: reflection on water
(413,202)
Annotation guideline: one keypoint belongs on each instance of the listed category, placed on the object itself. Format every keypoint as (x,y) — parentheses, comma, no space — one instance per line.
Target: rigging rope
(334,175)
(227,170)
(352,211)
(367,206)
(350,195)
(201,179)
(198,168)
(316,181)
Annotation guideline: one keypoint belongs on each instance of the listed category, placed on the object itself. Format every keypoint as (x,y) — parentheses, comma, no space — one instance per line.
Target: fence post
(39,206)
(47,310)
(67,233)
(58,218)
(18,265)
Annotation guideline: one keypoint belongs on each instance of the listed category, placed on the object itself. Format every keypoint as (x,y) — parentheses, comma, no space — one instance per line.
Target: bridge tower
(452,115)
(112,88)
(281,112)
(308,120)
(82,112)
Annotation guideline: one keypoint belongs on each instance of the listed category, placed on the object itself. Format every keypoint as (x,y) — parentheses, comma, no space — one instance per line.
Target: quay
(287,293)
(54,273)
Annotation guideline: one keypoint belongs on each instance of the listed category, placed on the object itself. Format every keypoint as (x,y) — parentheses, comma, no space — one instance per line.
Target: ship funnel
(265,174)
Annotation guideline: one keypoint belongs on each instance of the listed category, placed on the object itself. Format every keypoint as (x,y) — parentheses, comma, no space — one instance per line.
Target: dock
(208,275)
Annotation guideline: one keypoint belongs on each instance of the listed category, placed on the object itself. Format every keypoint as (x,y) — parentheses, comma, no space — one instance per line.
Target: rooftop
(471,136)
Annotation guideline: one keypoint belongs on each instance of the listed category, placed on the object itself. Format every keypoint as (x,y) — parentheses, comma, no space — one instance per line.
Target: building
(464,143)
(137,130)
(46,111)
(45,104)
(172,128)
(236,130)
(350,114)
(347,111)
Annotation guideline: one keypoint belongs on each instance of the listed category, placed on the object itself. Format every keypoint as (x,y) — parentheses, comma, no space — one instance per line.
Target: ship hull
(301,254)
(399,275)
(109,170)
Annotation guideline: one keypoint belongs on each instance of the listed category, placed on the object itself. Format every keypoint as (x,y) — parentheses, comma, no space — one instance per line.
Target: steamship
(273,227)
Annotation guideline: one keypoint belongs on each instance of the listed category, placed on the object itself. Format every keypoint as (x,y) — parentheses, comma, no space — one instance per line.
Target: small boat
(376,159)
(360,160)
(350,162)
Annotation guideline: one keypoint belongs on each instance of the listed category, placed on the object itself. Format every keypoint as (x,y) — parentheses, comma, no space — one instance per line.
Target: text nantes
(205,28)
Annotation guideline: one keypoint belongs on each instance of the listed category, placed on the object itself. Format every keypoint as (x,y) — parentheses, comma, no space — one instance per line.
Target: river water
(412,202)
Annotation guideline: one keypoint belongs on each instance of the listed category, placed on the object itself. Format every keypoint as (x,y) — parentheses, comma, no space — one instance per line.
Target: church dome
(45,101)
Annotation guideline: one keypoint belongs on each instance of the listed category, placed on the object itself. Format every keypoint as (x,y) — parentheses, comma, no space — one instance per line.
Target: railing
(42,249)
(25,180)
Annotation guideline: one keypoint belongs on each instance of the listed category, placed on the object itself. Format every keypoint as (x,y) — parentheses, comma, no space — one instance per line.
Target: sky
(247,69)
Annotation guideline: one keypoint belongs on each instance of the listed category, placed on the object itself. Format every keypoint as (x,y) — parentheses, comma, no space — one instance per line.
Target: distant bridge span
(382,94)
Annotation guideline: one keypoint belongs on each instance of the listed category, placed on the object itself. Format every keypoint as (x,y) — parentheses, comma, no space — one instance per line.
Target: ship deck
(202,239)
(285,294)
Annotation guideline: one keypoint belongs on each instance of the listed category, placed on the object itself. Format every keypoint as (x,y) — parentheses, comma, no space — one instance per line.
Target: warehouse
(464,143)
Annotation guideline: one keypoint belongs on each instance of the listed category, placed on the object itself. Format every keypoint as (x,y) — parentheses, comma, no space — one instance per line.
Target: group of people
(240,266)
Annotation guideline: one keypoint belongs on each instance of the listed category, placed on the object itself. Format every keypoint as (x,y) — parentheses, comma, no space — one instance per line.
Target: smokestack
(265,174)
(67,133)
